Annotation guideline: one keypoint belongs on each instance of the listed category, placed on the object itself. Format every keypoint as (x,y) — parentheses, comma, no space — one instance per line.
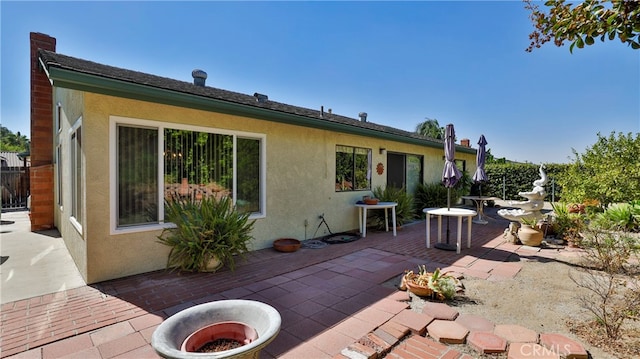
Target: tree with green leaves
(490,158)
(430,128)
(608,171)
(13,142)
(585,22)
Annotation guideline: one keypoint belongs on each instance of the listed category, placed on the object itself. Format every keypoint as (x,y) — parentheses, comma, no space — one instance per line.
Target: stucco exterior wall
(71,110)
(300,182)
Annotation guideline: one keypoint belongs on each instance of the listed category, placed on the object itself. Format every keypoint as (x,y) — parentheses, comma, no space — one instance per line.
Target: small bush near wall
(404,211)
(436,195)
(430,195)
(206,230)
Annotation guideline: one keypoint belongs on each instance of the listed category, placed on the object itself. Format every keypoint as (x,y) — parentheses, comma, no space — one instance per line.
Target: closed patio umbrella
(480,175)
(450,176)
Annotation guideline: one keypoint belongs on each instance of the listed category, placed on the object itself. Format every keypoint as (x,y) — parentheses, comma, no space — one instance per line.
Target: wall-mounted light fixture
(383,151)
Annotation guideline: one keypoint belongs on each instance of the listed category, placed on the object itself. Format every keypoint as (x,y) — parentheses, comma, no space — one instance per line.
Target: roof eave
(65,78)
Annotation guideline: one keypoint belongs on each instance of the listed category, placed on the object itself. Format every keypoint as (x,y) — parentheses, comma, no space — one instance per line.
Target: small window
(75,160)
(59,173)
(353,168)
(58,117)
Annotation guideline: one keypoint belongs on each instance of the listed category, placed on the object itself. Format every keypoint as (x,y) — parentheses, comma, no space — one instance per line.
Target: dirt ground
(542,297)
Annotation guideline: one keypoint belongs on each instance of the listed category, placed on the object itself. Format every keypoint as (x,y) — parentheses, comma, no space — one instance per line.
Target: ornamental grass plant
(206,230)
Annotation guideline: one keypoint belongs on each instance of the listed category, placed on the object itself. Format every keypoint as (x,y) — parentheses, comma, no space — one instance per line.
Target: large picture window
(155,163)
(353,168)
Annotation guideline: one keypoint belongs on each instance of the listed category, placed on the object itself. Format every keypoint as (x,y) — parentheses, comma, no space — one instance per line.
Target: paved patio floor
(328,298)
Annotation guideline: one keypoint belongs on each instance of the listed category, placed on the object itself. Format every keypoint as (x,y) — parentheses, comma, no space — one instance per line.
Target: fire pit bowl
(168,338)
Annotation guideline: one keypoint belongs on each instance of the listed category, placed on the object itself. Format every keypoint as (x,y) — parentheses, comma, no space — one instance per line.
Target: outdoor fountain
(530,209)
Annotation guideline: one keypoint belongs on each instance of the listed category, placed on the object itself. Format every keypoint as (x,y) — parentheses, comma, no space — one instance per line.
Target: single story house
(108,144)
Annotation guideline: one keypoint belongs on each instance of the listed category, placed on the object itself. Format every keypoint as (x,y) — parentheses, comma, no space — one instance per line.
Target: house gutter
(75,80)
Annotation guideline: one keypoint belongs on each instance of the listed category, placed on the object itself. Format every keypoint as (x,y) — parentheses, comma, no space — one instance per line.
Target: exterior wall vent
(199,77)
(363,116)
(260,97)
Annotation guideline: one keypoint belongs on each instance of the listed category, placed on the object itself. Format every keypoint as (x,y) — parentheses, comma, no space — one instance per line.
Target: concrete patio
(333,302)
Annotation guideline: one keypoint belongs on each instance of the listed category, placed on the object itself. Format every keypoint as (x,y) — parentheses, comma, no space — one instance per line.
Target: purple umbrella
(480,175)
(450,176)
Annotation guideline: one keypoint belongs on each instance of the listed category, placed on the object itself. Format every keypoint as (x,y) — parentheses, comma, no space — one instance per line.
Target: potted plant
(208,233)
(404,209)
(568,225)
(434,284)
(528,233)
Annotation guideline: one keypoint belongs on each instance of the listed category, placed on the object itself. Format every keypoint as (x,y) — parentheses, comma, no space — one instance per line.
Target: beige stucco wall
(299,182)
(71,111)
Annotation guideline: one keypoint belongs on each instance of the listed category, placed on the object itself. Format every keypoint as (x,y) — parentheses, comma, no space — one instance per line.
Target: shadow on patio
(313,289)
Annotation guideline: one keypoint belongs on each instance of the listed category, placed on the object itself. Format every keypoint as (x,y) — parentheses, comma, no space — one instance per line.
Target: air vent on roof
(199,77)
(260,97)
(363,116)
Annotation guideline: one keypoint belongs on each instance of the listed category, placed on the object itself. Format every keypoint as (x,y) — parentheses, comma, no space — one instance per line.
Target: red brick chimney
(41,172)
(465,142)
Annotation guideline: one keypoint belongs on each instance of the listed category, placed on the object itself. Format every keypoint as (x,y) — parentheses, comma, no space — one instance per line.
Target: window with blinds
(137,174)
(193,164)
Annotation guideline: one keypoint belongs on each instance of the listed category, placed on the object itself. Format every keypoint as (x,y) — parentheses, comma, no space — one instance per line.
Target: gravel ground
(541,297)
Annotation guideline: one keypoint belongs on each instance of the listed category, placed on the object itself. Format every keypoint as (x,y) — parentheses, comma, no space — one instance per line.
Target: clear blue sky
(401,62)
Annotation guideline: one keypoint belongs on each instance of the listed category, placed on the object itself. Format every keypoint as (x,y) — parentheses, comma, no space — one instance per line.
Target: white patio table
(449,212)
(362,215)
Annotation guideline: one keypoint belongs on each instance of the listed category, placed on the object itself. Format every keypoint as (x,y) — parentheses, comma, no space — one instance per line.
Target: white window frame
(59,156)
(59,176)
(77,195)
(58,119)
(114,121)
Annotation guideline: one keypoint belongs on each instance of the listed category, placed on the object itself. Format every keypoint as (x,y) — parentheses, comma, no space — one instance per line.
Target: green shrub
(205,229)
(430,195)
(514,178)
(404,211)
(567,226)
(608,171)
(620,217)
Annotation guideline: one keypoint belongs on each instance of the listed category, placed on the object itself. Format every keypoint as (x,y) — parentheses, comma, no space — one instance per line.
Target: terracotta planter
(576,208)
(286,244)
(530,236)
(419,290)
(231,331)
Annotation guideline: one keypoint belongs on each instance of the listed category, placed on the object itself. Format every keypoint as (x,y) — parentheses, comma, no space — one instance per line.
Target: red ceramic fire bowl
(286,245)
(236,331)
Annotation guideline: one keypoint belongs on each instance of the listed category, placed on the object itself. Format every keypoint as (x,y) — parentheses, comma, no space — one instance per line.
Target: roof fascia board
(92,83)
